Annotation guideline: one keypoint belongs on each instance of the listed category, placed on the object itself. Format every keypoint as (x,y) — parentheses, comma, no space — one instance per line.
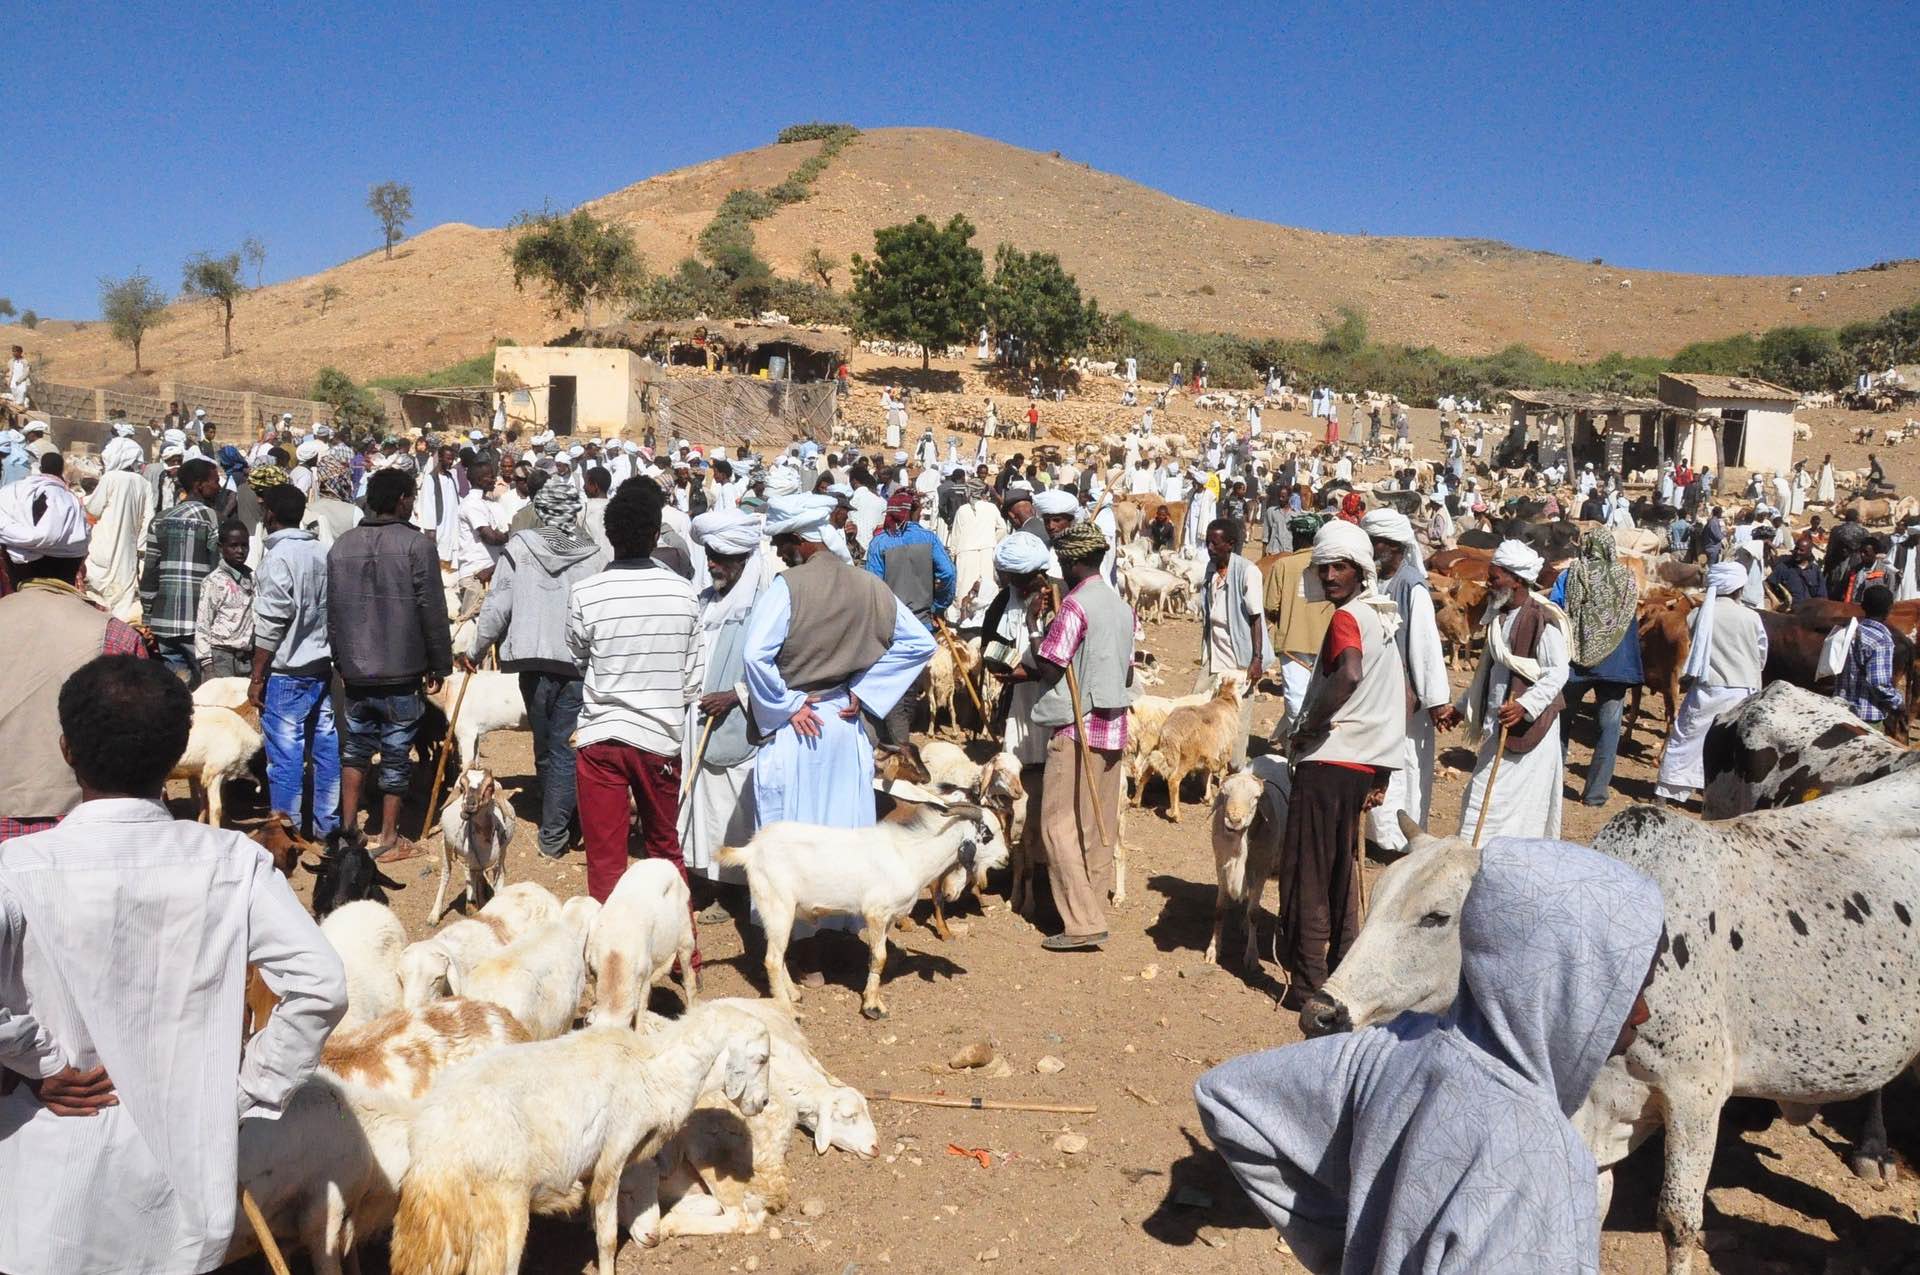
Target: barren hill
(446,294)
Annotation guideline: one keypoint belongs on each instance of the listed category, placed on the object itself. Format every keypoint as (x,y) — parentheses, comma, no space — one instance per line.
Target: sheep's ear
(823,1130)
(387,881)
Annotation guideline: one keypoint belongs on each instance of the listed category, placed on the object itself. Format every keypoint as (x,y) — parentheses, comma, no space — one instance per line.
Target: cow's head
(1407,956)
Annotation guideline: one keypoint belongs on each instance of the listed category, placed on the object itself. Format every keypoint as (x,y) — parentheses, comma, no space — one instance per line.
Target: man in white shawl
(977,528)
(1802,484)
(1824,494)
(1515,701)
(1724,667)
(121,505)
(717,752)
(1396,555)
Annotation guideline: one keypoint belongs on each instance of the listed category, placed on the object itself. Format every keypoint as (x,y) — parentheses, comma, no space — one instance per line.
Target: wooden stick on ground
(977,1103)
(1486,798)
(1080,747)
(268,1245)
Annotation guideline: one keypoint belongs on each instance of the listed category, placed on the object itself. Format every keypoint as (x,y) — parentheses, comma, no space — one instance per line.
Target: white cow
(1783,926)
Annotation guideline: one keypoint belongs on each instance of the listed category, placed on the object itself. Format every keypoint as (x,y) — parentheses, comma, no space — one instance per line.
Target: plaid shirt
(1106,727)
(1866,683)
(182,547)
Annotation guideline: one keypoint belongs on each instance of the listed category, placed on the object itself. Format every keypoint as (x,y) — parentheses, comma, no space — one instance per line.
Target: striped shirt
(634,631)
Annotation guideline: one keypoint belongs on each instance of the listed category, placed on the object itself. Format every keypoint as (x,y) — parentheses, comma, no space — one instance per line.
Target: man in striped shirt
(634,631)
(1866,683)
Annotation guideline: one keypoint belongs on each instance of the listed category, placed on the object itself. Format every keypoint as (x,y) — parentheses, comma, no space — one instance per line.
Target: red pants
(606,772)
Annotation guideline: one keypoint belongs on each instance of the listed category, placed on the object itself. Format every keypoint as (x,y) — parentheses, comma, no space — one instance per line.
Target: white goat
(1249,816)
(539,979)
(646,925)
(520,907)
(477,824)
(219,748)
(876,873)
(402,1053)
(425,967)
(580,1109)
(222,692)
(369,940)
(492,702)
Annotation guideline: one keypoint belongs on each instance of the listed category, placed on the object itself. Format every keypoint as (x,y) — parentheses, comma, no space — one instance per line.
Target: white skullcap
(576,451)
(286,416)
(899,458)
(562,458)
(323,430)
(630,447)
(1388,524)
(727,531)
(476,436)
(1514,556)
(172,451)
(1021,553)
(544,437)
(309,450)
(1726,577)
(800,515)
(1053,502)
(121,453)
(175,438)
(199,411)
(36,427)
(59,532)
(782,482)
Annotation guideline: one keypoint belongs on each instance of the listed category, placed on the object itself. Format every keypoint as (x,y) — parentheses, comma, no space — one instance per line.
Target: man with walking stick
(1512,709)
(1086,666)
(1350,735)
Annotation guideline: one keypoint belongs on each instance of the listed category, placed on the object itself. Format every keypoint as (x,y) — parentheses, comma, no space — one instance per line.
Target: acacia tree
(132,307)
(254,249)
(6,308)
(392,203)
(820,265)
(925,284)
(577,259)
(1034,299)
(218,280)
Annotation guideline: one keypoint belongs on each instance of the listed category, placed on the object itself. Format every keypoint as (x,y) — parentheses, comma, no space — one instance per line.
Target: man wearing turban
(1515,700)
(977,528)
(1724,666)
(121,505)
(1403,576)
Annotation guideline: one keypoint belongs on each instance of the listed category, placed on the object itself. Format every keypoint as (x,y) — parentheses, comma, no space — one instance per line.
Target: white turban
(1722,577)
(1021,553)
(544,437)
(1053,502)
(1388,524)
(1514,556)
(122,429)
(1342,541)
(36,427)
(173,451)
(59,532)
(1726,577)
(799,515)
(312,449)
(175,438)
(783,481)
(727,531)
(121,453)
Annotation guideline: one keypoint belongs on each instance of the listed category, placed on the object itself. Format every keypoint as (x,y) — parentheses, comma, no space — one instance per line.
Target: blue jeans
(553,710)
(1609,699)
(177,654)
(383,723)
(298,724)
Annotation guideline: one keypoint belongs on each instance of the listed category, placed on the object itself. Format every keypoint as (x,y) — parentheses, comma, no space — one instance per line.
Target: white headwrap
(1342,541)
(312,449)
(173,451)
(1391,524)
(799,515)
(1055,501)
(1722,577)
(121,453)
(59,532)
(175,438)
(1514,556)
(727,531)
(783,481)
(121,429)
(1021,553)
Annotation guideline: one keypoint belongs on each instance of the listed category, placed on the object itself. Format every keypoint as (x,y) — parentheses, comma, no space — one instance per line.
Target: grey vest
(726,668)
(1239,631)
(841,624)
(1104,663)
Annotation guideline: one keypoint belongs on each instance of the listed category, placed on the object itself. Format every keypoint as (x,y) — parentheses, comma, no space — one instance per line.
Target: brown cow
(1664,644)
(1458,606)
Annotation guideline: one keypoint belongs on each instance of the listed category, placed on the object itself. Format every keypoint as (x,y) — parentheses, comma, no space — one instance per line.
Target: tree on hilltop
(1035,299)
(392,203)
(820,265)
(218,280)
(28,319)
(132,307)
(578,259)
(254,249)
(925,284)
(6,308)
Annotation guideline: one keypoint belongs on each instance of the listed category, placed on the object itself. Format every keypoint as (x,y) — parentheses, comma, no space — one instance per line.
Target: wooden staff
(699,755)
(1360,863)
(977,1103)
(446,746)
(268,1245)
(1080,747)
(959,675)
(1486,798)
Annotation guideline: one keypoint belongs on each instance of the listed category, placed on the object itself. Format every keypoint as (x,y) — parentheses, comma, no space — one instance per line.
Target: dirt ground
(1134,1025)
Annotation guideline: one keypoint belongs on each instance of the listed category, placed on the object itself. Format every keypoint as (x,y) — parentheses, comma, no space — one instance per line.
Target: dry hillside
(446,294)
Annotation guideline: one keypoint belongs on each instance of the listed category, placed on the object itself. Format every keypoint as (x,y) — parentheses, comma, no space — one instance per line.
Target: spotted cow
(1787,745)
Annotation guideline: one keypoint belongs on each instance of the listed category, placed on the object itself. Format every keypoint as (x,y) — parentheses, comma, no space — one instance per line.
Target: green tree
(329,294)
(29,320)
(132,307)
(218,280)
(820,265)
(1034,299)
(392,203)
(254,249)
(577,258)
(926,284)
(356,412)
(6,308)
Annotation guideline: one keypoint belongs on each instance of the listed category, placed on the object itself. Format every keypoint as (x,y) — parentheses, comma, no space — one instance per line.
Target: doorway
(562,392)
(1733,438)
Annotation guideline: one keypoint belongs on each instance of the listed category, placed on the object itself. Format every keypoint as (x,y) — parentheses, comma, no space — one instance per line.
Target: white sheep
(539,979)
(220,747)
(581,1108)
(493,702)
(646,925)
(875,873)
(369,940)
(402,1053)
(1249,816)
(222,692)
(520,907)
(476,824)
(426,966)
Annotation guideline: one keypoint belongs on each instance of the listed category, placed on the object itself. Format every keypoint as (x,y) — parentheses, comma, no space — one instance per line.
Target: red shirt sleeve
(1343,634)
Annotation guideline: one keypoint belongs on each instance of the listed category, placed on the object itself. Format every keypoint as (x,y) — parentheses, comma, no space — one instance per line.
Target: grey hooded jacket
(526,606)
(1443,1144)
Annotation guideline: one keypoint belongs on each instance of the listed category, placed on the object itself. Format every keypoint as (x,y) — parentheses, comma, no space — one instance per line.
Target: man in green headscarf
(1601,600)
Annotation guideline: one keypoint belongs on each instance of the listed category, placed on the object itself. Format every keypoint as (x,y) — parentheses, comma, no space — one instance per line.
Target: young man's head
(1223,541)
(53,464)
(284,506)
(123,725)
(598,481)
(200,480)
(482,473)
(528,482)
(233,541)
(633,520)
(390,493)
(1876,600)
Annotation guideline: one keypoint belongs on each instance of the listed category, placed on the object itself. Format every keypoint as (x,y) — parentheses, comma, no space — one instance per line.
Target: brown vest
(1526,636)
(48,632)
(840,626)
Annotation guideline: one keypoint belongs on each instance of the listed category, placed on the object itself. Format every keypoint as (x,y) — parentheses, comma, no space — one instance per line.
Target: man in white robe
(1526,641)
(977,528)
(121,506)
(1802,484)
(127,938)
(1403,577)
(1825,493)
(1724,667)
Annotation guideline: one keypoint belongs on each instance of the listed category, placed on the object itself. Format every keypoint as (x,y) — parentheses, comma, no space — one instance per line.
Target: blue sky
(1767,138)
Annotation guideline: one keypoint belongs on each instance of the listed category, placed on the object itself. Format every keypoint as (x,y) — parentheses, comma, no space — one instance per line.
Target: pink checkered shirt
(1106,727)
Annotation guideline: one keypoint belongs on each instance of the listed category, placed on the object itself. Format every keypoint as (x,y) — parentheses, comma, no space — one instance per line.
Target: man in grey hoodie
(293,664)
(526,614)
(1445,1144)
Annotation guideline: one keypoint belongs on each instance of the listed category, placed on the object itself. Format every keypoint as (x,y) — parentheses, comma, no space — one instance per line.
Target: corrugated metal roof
(1709,386)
